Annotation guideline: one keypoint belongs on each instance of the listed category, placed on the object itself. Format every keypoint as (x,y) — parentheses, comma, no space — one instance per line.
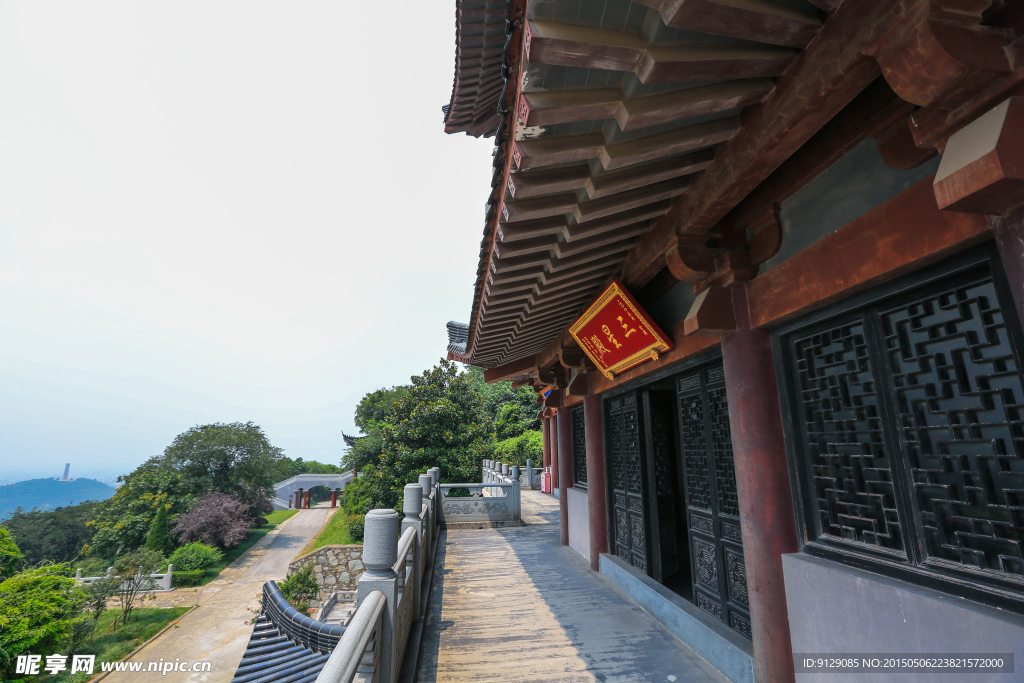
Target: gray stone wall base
(730,653)
(579,521)
(838,609)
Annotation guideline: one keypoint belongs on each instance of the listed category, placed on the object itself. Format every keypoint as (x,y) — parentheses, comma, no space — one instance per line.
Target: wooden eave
(585,171)
(656,145)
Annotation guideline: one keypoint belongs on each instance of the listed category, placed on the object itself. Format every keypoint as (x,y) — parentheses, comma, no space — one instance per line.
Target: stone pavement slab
(512,604)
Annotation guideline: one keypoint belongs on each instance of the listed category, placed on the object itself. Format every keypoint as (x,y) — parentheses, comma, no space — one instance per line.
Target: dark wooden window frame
(579,447)
(978,585)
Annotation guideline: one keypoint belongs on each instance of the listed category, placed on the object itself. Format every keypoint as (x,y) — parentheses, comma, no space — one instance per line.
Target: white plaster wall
(579,522)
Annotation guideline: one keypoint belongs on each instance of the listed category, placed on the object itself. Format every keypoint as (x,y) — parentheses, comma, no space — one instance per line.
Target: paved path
(514,605)
(217,631)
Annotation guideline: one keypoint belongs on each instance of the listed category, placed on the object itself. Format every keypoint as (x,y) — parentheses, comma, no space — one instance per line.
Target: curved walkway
(512,604)
(218,630)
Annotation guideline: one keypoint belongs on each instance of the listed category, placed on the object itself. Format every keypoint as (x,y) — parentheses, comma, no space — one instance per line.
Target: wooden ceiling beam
(825,78)
(591,48)
(508,371)
(552,151)
(551,107)
(755,20)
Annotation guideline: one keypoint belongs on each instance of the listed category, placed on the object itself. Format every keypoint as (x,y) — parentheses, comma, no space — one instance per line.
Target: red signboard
(616,333)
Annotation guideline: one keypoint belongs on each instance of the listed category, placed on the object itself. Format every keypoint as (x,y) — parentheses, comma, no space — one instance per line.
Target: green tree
(10,554)
(370,415)
(511,411)
(122,522)
(158,538)
(52,535)
(437,422)
(37,609)
(235,458)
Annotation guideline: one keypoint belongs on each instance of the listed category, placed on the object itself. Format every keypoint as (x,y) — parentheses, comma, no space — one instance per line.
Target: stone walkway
(217,631)
(513,604)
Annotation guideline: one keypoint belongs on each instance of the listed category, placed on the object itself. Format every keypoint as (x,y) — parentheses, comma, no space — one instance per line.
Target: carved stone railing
(397,556)
(529,476)
(147,582)
(497,501)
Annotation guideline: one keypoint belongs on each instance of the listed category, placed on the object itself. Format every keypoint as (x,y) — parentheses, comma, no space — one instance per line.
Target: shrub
(191,577)
(195,556)
(300,588)
(217,519)
(38,608)
(355,527)
(519,449)
(10,555)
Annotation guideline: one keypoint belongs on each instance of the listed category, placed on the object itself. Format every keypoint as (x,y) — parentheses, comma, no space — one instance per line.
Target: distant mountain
(47,494)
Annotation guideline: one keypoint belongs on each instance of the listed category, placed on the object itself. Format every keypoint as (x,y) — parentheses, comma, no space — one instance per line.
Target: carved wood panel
(716,544)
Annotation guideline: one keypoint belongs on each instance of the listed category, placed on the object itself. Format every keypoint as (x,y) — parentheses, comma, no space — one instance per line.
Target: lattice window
(579,447)
(909,413)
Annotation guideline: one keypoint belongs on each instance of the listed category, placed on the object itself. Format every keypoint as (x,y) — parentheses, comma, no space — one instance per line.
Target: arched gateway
(292,492)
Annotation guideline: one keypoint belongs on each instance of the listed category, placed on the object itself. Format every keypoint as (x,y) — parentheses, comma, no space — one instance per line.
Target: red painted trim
(900,235)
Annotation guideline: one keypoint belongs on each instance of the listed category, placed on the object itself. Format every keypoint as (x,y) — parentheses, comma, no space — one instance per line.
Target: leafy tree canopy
(123,521)
(437,422)
(55,535)
(10,555)
(234,458)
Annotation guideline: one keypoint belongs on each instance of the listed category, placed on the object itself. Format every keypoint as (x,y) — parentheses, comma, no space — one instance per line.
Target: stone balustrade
(148,582)
(494,471)
(396,555)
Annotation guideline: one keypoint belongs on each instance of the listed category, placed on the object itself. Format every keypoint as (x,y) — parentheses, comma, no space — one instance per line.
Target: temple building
(763,262)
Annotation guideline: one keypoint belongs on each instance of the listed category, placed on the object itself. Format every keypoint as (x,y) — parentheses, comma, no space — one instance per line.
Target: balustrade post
(412,505)
(517,504)
(529,473)
(380,553)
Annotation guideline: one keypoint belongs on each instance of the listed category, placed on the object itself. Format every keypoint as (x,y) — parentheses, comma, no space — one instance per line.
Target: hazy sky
(222,211)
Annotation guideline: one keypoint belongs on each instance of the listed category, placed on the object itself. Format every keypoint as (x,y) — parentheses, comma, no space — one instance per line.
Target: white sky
(222,211)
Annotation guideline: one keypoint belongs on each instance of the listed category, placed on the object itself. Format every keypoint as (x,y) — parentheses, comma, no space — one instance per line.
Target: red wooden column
(334,498)
(762,484)
(547,441)
(553,432)
(596,504)
(564,424)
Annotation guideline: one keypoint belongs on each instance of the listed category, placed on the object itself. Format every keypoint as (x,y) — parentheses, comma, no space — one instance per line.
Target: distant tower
(67,468)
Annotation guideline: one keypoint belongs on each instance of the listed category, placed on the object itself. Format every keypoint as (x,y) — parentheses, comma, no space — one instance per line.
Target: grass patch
(112,646)
(278,516)
(335,532)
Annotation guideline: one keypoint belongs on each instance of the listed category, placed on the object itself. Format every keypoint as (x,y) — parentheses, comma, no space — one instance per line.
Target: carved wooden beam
(938,54)
(751,20)
(509,370)
(711,314)
(579,386)
(982,170)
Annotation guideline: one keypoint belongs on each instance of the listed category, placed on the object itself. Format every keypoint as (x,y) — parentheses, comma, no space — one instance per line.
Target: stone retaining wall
(336,567)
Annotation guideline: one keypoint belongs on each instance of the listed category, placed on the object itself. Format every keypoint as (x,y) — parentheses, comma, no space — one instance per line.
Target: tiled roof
(458,334)
(286,646)
(479,44)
